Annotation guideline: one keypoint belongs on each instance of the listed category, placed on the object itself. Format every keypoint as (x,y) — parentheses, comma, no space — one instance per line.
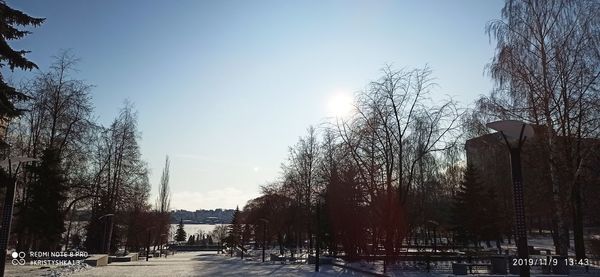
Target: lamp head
(513,130)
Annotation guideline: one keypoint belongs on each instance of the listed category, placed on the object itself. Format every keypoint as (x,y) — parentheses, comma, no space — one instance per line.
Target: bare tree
(381,165)
(219,233)
(119,172)
(163,202)
(302,178)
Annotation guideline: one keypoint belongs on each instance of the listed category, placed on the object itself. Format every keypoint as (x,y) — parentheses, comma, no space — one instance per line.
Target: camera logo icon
(18,258)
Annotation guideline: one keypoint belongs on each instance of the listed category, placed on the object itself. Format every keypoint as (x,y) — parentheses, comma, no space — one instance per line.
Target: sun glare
(340,104)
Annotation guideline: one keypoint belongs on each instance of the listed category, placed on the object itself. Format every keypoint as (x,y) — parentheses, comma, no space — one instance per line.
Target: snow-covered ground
(210,264)
(45,271)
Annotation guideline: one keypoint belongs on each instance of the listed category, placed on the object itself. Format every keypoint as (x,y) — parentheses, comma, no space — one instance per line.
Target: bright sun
(340,104)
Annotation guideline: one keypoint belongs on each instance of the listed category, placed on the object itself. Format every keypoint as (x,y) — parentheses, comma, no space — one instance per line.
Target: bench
(466,268)
(134,256)
(533,251)
(283,259)
(275,258)
(147,254)
(97,260)
(119,259)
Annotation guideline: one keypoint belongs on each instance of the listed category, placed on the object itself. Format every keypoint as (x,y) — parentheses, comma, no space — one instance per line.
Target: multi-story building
(490,157)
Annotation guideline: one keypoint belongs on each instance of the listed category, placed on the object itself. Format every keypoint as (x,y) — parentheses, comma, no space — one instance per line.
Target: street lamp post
(105,240)
(514,134)
(265,221)
(9,200)
(161,244)
(318,237)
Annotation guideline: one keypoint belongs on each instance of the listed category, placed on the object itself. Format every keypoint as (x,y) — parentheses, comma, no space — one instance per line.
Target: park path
(209,264)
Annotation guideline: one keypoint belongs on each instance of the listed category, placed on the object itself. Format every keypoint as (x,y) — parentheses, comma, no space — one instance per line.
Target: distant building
(211,220)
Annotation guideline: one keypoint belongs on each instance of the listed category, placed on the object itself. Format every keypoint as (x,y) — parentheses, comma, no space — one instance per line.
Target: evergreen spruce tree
(469,212)
(180,234)
(47,194)
(235,230)
(492,225)
(10,19)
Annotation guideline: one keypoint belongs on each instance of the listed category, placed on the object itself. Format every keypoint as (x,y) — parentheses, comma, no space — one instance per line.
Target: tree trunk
(578,222)
(563,238)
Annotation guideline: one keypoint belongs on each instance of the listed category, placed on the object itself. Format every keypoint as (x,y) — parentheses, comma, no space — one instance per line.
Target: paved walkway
(209,264)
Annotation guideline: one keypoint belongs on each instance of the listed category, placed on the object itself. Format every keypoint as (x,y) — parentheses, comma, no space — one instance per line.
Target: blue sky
(225,87)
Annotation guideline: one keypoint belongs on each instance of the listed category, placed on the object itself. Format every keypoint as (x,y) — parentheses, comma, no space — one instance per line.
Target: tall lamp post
(9,200)
(265,221)
(318,237)
(514,134)
(105,240)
